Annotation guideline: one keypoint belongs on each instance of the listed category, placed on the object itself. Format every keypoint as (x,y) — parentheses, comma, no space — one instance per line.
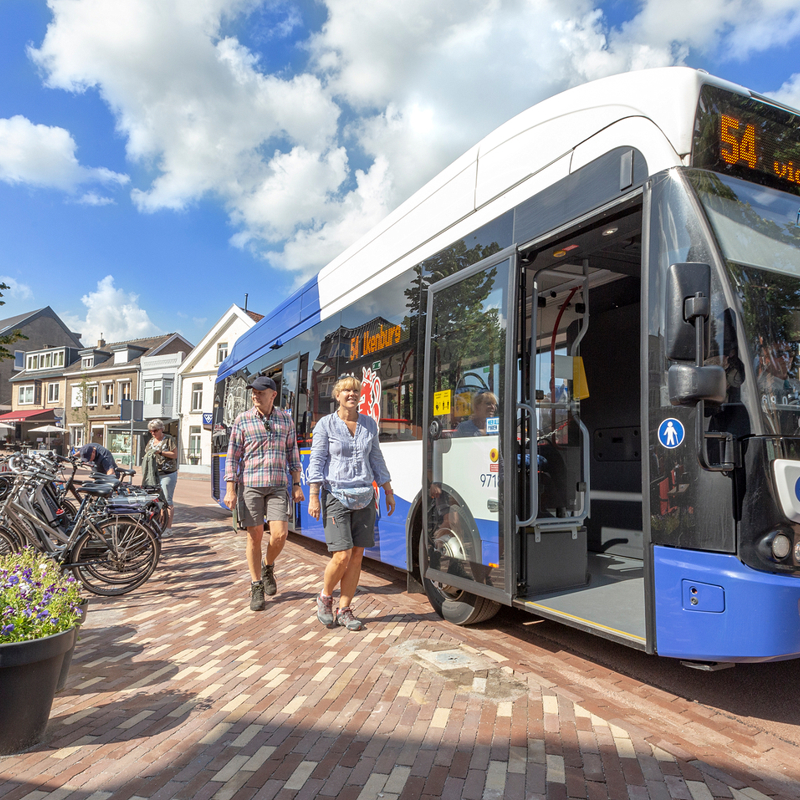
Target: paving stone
(179,691)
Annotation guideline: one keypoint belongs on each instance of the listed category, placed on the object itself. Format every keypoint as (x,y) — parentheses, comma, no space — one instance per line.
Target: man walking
(261,450)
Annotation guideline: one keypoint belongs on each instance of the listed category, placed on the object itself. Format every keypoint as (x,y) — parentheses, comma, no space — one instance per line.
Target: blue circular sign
(671,433)
(797,488)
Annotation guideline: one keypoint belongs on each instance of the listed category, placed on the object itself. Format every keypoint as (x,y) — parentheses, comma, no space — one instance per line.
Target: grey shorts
(345,528)
(264,502)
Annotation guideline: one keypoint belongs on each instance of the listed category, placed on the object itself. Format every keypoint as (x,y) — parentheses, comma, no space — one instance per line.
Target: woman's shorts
(168,485)
(346,528)
(265,502)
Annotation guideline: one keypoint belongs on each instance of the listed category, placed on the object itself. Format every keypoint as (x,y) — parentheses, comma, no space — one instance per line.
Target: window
(53,392)
(125,390)
(58,359)
(33,362)
(108,394)
(77,397)
(222,352)
(197,397)
(76,436)
(91,394)
(25,396)
(45,360)
(19,359)
(194,440)
(158,392)
(87,362)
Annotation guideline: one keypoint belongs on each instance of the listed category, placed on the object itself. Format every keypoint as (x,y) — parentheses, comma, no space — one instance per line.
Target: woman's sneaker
(345,618)
(325,609)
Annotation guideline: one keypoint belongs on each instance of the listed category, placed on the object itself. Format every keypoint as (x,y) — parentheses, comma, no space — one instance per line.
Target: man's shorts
(346,528)
(265,502)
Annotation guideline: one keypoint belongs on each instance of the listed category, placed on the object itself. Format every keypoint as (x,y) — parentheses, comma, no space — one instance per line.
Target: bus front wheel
(452,604)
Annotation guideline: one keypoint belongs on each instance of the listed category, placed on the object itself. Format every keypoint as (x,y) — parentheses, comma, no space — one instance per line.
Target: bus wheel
(452,604)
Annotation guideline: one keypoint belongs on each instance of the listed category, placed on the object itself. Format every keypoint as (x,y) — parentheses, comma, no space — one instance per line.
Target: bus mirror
(688,384)
(688,301)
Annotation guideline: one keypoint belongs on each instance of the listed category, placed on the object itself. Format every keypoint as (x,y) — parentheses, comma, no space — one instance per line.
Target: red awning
(37,415)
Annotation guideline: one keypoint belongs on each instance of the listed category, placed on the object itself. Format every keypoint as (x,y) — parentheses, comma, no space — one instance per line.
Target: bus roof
(482,184)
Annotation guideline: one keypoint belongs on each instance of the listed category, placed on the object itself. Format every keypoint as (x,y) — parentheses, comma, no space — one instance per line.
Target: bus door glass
(470,362)
(286,380)
(559,385)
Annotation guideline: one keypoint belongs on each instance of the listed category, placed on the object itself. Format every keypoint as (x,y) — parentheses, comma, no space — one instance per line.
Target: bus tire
(451,604)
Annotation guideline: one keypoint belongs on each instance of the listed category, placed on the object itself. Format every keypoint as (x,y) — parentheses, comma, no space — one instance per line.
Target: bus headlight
(781,547)
(797,552)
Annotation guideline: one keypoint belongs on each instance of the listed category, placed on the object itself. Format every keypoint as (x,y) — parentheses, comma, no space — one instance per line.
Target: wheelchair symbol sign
(671,433)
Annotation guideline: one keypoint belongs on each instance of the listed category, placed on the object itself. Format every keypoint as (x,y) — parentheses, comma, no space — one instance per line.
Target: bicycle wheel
(9,543)
(118,560)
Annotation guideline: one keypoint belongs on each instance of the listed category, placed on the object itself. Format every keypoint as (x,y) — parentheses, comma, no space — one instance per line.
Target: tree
(8,338)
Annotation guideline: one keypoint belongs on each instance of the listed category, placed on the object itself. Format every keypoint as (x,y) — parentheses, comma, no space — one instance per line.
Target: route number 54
(735,149)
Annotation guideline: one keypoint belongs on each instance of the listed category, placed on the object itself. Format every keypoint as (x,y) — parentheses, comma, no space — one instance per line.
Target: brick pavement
(179,691)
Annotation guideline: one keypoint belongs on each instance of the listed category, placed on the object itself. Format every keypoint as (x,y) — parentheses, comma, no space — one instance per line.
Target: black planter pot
(83,608)
(29,672)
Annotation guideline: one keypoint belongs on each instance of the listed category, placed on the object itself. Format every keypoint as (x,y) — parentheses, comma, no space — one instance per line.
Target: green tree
(8,338)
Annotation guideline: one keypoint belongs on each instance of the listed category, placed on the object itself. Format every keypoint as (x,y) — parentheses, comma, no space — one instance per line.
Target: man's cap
(262,382)
(87,452)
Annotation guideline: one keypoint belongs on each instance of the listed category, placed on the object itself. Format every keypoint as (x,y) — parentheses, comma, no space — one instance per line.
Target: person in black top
(99,457)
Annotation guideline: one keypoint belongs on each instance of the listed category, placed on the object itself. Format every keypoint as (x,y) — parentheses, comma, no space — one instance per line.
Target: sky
(161,159)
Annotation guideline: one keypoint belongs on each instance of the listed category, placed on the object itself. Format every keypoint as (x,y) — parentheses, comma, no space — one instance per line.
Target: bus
(615,275)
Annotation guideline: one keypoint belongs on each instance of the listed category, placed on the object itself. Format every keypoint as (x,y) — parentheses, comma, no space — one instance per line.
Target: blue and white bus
(618,268)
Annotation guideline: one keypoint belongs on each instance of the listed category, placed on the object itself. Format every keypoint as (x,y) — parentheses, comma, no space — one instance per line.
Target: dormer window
(87,362)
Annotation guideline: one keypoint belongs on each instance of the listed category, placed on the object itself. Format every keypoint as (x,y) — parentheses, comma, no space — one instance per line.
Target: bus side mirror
(688,284)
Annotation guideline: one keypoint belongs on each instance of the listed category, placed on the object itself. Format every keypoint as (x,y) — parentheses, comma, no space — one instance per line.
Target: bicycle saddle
(97,489)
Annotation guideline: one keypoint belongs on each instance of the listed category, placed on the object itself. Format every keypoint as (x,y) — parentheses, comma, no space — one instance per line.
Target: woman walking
(345,461)
(165,450)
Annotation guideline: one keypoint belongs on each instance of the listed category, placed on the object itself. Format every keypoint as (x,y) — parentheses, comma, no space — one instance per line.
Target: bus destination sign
(748,139)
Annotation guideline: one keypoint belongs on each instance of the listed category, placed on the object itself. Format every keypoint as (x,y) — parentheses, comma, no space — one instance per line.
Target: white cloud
(112,314)
(44,156)
(16,290)
(789,93)
(392,92)
(94,199)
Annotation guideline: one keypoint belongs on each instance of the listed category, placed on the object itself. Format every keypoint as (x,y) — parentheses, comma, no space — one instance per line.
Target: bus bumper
(712,607)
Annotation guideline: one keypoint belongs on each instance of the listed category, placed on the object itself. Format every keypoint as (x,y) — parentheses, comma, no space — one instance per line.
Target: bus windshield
(758,232)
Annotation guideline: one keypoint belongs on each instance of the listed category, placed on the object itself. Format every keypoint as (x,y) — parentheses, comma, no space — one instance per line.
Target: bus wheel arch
(452,604)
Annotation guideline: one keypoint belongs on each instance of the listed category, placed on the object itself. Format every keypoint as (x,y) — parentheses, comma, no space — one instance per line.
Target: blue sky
(161,158)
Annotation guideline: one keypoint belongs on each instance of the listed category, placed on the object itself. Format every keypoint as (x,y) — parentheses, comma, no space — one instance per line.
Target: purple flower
(7,629)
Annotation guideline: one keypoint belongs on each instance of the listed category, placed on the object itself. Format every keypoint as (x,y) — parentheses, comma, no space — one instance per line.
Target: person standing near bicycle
(262,450)
(99,457)
(164,448)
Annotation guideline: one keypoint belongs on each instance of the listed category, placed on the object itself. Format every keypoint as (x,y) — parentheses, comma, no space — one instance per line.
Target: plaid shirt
(258,457)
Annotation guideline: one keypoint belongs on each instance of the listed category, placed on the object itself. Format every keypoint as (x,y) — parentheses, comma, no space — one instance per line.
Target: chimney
(101,342)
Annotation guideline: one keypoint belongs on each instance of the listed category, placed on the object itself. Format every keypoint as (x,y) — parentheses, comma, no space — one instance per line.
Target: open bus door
(467,551)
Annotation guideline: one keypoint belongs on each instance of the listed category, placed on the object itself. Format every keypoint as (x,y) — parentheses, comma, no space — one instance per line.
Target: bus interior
(581,559)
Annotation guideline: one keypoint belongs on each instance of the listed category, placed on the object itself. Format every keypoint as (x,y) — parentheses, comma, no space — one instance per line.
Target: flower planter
(29,673)
(83,607)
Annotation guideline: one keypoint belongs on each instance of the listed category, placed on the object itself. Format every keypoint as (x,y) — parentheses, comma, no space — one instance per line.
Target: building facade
(44,330)
(106,375)
(197,375)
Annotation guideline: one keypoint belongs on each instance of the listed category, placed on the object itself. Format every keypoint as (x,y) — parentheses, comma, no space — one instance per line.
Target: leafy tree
(8,338)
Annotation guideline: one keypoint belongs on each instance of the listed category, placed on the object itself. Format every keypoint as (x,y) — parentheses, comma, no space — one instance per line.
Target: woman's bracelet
(388,491)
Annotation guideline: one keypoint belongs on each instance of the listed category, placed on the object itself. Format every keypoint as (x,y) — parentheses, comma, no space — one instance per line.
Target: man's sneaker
(257,602)
(325,609)
(345,618)
(268,579)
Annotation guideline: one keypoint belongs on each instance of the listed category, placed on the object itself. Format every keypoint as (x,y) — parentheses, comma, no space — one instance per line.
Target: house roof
(14,322)
(20,320)
(149,345)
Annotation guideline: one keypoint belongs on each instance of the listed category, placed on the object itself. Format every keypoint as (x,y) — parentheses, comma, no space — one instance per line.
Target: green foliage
(9,338)
(36,599)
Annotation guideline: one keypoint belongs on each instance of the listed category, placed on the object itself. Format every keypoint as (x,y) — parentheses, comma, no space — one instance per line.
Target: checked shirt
(258,457)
